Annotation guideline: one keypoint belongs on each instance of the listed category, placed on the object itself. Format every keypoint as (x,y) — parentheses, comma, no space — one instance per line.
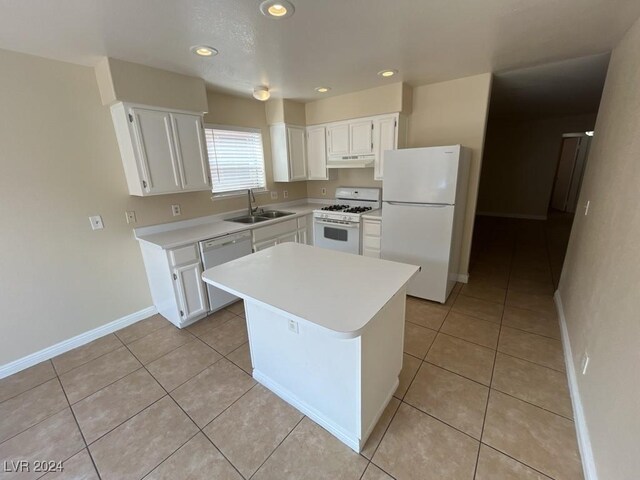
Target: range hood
(351,161)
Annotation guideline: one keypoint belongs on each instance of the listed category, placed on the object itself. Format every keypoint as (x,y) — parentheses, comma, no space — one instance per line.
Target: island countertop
(340,292)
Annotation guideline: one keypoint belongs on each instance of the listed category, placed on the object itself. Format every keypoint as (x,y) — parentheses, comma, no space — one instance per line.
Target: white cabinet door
(386,139)
(155,147)
(361,137)
(191,151)
(302,236)
(317,153)
(297,152)
(190,288)
(338,139)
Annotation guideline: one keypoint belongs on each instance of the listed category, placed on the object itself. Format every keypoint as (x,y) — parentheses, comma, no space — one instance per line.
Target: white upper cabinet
(385,138)
(317,153)
(289,153)
(360,137)
(191,149)
(338,139)
(162,151)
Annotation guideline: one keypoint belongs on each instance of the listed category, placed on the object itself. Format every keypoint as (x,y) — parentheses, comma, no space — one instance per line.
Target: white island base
(338,363)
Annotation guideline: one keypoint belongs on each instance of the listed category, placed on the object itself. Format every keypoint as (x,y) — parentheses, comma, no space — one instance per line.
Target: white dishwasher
(217,251)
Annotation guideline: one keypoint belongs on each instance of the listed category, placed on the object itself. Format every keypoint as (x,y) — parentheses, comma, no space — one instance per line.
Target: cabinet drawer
(183,255)
(372,228)
(371,242)
(302,222)
(280,228)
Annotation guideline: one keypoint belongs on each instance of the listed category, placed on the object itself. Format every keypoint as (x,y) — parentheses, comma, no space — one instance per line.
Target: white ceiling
(569,87)
(338,43)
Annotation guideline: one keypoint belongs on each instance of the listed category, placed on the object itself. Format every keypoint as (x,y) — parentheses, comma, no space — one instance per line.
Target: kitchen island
(325,330)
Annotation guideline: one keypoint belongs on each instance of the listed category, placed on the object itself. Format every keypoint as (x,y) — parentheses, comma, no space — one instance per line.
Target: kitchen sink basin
(249,219)
(274,214)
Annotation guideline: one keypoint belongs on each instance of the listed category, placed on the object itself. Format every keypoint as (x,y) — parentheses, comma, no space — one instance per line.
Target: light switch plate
(285,194)
(175,210)
(274,195)
(293,326)
(96,222)
(130,216)
(324,191)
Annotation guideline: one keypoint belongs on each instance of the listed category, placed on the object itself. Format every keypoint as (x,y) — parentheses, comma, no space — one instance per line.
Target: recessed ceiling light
(204,50)
(387,73)
(277,8)
(261,93)
(322,89)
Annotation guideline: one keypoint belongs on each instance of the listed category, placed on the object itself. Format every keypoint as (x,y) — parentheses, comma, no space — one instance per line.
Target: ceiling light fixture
(322,89)
(277,8)
(387,73)
(204,50)
(261,93)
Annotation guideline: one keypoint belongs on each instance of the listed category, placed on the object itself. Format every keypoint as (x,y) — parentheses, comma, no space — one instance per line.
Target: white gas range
(337,226)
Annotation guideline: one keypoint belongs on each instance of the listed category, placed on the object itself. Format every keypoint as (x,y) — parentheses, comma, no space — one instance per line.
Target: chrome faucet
(251,199)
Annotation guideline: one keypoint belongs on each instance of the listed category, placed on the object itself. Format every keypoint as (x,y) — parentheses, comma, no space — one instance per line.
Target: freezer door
(420,234)
(421,175)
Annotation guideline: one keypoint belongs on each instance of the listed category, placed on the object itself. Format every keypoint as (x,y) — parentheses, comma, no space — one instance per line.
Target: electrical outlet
(175,210)
(586,207)
(585,363)
(274,195)
(96,222)
(285,194)
(324,191)
(293,326)
(130,216)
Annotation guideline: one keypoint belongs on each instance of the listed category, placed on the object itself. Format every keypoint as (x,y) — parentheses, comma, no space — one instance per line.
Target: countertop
(337,291)
(373,214)
(219,227)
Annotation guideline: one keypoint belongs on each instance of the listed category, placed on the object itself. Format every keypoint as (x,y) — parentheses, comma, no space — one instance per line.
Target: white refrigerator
(424,194)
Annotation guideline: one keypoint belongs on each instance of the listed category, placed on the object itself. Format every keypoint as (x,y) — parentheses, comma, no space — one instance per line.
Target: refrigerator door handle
(416,204)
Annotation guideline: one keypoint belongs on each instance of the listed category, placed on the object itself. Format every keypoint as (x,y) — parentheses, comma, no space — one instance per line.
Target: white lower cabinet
(174,276)
(371,237)
(191,293)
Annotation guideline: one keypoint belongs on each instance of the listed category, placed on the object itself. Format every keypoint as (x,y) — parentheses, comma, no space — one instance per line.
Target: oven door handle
(338,224)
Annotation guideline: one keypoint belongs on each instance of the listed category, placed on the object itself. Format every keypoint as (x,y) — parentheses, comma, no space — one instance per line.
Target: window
(236,159)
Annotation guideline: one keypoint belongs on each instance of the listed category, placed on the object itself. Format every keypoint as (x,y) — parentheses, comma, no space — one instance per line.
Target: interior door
(566,164)
(297,153)
(361,137)
(191,151)
(421,235)
(338,139)
(155,148)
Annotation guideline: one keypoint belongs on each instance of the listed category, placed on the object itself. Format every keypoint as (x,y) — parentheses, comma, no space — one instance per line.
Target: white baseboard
(308,410)
(512,215)
(584,443)
(463,278)
(77,341)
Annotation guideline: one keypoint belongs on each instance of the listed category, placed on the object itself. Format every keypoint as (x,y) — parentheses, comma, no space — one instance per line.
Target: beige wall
(60,164)
(450,113)
(131,82)
(601,276)
(520,161)
(374,101)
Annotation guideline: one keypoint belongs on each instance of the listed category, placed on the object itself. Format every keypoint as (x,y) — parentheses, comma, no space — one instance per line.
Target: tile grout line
(495,357)
(278,446)
(84,440)
(55,375)
(169,456)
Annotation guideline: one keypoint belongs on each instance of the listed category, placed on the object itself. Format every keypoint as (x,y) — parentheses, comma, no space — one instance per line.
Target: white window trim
(240,193)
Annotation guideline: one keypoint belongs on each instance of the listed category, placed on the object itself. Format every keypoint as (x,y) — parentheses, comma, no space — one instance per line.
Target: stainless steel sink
(274,214)
(248,219)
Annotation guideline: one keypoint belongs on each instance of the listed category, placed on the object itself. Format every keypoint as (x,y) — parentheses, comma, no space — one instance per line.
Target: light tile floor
(482,395)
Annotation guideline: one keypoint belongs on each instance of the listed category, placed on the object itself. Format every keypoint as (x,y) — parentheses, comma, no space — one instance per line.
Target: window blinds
(236,159)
